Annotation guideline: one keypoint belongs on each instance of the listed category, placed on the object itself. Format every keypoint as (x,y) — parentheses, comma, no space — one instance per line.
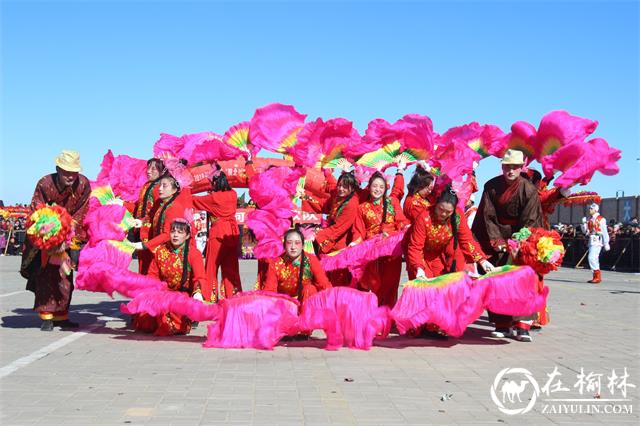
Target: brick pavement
(111,375)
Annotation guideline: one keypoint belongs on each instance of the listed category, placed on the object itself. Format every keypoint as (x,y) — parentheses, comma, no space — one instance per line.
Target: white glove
(584,220)
(353,243)
(420,274)
(402,163)
(565,192)
(138,246)
(487,266)
(198,296)
(249,157)
(343,164)
(607,247)
(424,165)
(135,223)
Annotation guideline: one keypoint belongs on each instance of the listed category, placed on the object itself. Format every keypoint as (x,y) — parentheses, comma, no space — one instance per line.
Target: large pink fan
(450,301)
(207,146)
(579,161)
(158,302)
(125,174)
(512,290)
(324,142)
(521,138)
(349,317)
(272,192)
(559,128)
(268,229)
(103,221)
(418,137)
(104,268)
(168,146)
(256,319)
(238,137)
(455,157)
(355,258)
(484,139)
(274,127)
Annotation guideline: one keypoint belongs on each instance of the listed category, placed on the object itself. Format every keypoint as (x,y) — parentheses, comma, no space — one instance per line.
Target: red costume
(414,205)
(149,194)
(157,224)
(222,244)
(341,216)
(168,265)
(284,274)
(382,276)
(431,245)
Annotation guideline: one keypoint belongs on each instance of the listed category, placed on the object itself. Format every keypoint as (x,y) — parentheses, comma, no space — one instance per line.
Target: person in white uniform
(595,228)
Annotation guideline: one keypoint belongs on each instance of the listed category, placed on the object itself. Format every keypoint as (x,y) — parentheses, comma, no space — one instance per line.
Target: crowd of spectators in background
(12,234)
(631,229)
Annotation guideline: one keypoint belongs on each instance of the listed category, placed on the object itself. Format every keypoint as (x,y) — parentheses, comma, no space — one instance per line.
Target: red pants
(145,257)
(163,325)
(382,277)
(222,253)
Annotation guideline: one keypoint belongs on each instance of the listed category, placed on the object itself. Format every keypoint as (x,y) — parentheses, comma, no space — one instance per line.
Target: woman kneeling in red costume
(179,264)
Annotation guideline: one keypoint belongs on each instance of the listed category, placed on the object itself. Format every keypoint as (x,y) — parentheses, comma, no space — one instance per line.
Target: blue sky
(97,75)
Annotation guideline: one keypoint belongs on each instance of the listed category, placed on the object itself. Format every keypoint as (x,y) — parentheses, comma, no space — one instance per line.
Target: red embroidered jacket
(431,244)
(168,266)
(283,275)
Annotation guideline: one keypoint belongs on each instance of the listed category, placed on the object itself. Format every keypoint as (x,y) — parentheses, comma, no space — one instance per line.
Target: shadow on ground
(96,315)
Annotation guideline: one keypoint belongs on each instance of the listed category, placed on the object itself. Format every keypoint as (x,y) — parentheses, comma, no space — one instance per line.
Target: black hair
(220,183)
(532,175)
(302,257)
(183,226)
(449,196)
(174,181)
(385,207)
(420,180)
(348,180)
(168,203)
(159,165)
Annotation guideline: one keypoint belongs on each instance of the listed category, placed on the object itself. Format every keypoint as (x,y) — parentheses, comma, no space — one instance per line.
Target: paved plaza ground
(107,374)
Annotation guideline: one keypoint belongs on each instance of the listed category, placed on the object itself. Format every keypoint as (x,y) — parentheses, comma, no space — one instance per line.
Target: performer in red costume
(178,263)
(224,239)
(509,203)
(171,205)
(342,210)
(381,215)
(418,192)
(149,194)
(440,240)
(286,276)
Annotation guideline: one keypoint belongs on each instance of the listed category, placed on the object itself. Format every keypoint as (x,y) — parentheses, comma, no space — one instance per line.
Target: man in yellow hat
(509,202)
(69,189)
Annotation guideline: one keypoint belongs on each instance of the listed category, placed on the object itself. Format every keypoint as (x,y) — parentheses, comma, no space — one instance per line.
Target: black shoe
(502,332)
(66,324)
(436,335)
(301,337)
(47,325)
(523,335)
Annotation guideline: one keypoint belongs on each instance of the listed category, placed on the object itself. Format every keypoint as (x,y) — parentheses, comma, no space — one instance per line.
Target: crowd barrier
(624,255)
